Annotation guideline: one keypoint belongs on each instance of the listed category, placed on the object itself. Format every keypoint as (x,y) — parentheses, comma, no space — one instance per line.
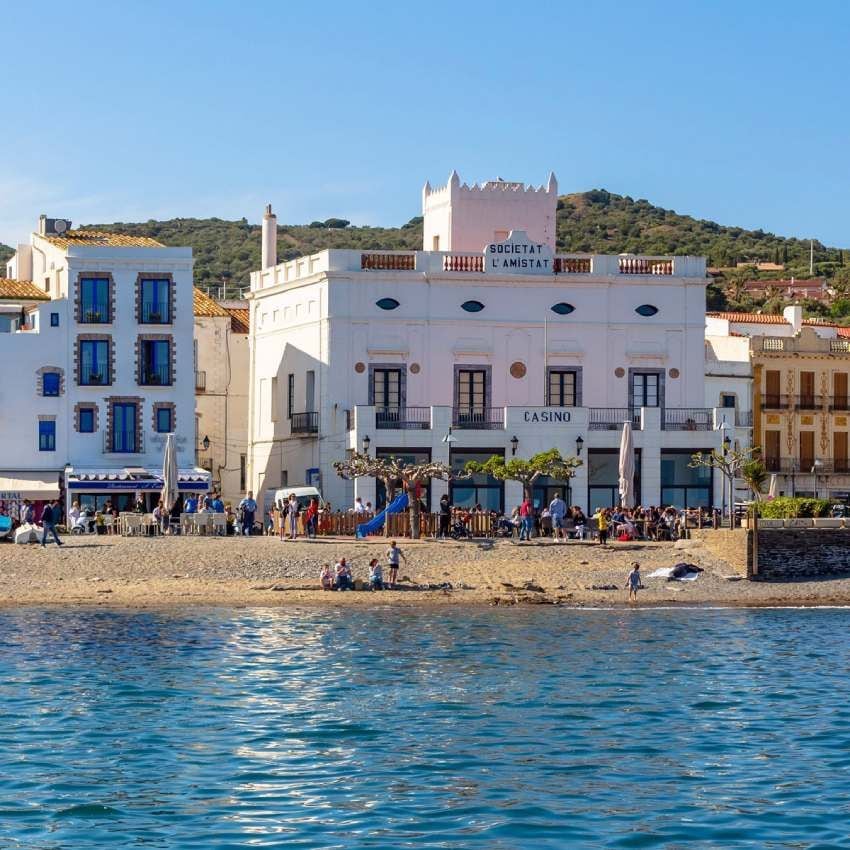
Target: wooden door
(807,390)
(771,450)
(839,451)
(839,391)
(807,450)
(771,387)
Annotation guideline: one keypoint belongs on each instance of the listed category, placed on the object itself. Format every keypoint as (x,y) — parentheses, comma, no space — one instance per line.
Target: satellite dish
(60,225)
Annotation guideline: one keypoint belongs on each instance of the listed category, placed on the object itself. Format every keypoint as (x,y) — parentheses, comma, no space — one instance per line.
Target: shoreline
(184,572)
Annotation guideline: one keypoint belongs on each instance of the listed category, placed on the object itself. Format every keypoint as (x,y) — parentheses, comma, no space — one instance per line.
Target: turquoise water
(394,728)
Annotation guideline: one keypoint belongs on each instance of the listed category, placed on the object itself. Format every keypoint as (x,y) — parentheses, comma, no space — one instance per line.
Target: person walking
(249,510)
(633,582)
(445,516)
(558,511)
(50,517)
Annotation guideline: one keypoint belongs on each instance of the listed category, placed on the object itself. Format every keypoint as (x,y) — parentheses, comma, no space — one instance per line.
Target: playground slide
(374,525)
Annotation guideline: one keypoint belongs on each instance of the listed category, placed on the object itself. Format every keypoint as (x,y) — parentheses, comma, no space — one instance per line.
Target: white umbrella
(169,474)
(627,467)
(771,490)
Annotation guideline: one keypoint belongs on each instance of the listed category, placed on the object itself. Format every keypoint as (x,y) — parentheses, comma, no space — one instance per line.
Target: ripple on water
(402,728)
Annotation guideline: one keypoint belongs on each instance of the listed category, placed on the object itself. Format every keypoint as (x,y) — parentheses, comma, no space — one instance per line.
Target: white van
(304,495)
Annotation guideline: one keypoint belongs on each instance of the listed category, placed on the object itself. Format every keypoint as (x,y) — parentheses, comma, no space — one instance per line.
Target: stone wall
(790,553)
(728,545)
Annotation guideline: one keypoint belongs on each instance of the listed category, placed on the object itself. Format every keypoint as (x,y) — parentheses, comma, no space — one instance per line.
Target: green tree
(755,475)
(549,463)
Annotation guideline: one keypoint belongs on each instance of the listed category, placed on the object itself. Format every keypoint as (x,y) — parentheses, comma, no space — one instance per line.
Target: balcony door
(807,450)
(124,422)
(839,391)
(771,450)
(387,394)
(807,390)
(771,388)
(839,454)
(472,395)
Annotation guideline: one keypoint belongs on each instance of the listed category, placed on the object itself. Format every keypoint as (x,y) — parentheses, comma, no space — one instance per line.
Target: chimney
(269,249)
(794,316)
(42,225)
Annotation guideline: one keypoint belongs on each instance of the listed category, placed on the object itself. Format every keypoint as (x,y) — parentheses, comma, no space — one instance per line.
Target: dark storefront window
(481,489)
(684,486)
(603,477)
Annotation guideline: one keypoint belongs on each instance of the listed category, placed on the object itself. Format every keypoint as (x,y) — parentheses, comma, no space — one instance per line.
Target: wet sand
(183,571)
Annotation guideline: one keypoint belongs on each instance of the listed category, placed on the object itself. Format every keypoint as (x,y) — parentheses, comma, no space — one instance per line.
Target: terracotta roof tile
(205,306)
(240,320)
(750,318)
(21,290)
(99,239)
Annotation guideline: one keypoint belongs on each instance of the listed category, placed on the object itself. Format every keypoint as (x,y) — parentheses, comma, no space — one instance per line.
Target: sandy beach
(169,571)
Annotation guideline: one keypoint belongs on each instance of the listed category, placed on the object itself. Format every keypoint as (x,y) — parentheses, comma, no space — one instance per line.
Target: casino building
(487,341)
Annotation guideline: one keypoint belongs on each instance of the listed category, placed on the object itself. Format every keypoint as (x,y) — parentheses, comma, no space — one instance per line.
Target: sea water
(450,728)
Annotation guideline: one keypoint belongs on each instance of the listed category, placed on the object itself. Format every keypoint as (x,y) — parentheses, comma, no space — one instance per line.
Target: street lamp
(514,444)
(206,443)
(726,443)
(449,438)
(579,445)
(366,443)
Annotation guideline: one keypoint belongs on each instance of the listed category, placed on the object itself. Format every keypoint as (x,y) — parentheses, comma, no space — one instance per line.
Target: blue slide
(396,506)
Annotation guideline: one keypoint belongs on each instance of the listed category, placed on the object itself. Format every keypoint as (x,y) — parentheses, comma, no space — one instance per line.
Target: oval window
(387,303)
(646,310)
(472,306)
(562,308)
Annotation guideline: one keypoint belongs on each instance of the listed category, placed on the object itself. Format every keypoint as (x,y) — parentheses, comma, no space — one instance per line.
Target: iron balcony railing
(121,442)
(840,403)
(775,401)
(403,418)
(744,418)
(612,418)
(200,382)
(94,376)
(687,419)
(808,402)
(479,418)
(808,466)
(155,376)
(155,314)
(304,423)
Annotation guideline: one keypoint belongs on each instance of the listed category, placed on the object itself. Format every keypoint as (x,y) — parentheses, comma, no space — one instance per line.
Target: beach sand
(183,571)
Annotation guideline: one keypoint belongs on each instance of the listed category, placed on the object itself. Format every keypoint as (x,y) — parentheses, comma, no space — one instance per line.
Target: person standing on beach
(602,524)
(249,509)
(51,515)
(393,555)
(292,516)
(526,519)
(633,582)
(557,510)
(445,515)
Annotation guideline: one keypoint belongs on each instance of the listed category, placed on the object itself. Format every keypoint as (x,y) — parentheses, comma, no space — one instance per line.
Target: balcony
(839,403)
(403,418)
(808,402)
(804,466)
(121,442)
(775,401)
(612,418)
(155,314)
(94,377)
(744,418)
(155,376)
(386,261)
(200,382)
(304,423)
(479,418)
(572,265)
(646,265)
(688,419)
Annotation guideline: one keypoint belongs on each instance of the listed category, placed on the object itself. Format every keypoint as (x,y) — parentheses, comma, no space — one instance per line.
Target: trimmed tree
(730,464)
(551,464)
(391,470)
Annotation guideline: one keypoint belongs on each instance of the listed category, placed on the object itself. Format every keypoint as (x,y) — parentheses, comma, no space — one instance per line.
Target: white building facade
(101,372)
(457,355)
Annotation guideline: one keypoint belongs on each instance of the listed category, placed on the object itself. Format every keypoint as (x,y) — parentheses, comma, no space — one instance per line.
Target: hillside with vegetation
(5,253)
(594,222)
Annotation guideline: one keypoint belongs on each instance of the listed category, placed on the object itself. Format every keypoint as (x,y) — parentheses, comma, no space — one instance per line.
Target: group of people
(341,576)
(291,510)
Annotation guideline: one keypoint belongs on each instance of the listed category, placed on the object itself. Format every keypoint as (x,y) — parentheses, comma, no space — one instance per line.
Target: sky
(731,111)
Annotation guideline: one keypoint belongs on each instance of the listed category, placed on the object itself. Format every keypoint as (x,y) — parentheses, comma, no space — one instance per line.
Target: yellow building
(800,404)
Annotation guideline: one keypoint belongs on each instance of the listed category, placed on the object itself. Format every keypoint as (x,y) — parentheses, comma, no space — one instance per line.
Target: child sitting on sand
(326,577)
(376,575)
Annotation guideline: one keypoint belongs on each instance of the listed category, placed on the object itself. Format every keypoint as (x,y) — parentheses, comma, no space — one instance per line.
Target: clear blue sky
(724,110)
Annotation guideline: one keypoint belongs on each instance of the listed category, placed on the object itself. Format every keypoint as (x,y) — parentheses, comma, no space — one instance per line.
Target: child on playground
(393,555)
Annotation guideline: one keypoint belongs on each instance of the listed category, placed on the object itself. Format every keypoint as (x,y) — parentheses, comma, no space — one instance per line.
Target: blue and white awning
(134,479)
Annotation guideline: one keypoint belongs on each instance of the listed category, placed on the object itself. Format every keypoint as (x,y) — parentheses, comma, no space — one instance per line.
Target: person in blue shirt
(217,504)
(191,506)
(249,509)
